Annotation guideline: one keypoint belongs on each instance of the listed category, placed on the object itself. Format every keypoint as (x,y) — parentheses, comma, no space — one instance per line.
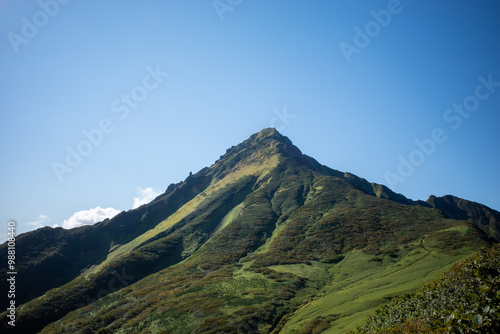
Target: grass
(465,299)
(359,285)
(239,172)
(235,212)
(243,282)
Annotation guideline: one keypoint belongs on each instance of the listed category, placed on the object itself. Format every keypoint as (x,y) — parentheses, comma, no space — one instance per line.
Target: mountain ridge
(281,193)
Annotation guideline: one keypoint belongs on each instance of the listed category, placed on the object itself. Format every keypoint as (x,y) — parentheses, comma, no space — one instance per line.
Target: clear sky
(105,103)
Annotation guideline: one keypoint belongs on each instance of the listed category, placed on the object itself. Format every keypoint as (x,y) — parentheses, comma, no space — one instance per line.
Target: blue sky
(403,93)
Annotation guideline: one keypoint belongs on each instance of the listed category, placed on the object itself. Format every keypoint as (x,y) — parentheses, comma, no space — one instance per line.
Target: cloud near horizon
(89,217)
(97,214)
(146,195)
(41,221)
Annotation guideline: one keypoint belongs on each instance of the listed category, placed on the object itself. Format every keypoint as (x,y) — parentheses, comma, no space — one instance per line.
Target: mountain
(265,240)
(458,208)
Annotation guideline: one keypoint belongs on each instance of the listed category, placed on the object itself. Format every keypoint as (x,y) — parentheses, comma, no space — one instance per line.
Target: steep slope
(457,208)
(266,239)
(56,256)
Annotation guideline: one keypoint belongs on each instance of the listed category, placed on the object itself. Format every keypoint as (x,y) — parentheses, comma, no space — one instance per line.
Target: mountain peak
(269,133)
(268,138)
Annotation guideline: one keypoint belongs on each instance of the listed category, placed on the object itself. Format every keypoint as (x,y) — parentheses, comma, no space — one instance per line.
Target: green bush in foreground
(465,299)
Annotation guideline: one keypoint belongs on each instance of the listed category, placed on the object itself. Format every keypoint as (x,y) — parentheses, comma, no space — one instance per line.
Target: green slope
(265,240)
(465,299)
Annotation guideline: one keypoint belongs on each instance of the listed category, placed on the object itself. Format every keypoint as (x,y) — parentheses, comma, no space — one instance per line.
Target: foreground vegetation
(465,299)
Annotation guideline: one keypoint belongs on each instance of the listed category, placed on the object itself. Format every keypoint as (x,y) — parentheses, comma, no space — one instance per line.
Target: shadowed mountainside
(457,208)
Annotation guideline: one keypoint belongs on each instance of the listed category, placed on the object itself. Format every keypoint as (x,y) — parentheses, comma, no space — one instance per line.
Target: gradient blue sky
(231,77)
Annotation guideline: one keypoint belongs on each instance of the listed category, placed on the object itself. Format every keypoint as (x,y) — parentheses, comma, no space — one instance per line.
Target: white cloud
(89,217)
(41,221)
(97,214)
(146,195)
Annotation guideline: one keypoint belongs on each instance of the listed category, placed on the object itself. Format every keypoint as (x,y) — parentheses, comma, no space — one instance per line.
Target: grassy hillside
(465,299)
(266,240)
(313,250)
